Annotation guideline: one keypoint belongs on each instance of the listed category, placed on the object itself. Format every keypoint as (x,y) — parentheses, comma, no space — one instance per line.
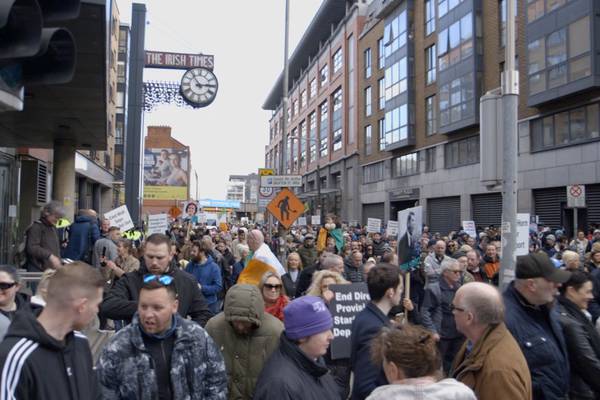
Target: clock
(199,87)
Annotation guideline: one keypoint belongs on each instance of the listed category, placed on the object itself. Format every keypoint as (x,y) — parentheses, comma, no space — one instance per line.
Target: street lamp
(315,141)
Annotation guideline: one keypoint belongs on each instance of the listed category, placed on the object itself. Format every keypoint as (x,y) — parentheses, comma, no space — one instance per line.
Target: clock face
(199,87)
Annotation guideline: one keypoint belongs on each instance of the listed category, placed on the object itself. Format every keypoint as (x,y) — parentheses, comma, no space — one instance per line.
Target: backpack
(20,257)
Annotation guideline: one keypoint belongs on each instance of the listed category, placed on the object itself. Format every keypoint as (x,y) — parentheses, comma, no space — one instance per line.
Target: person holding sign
(385,289)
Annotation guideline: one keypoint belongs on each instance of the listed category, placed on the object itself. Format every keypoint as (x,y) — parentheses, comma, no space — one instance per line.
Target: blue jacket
(538,332)
(209,277)
(365,327)
(83,233)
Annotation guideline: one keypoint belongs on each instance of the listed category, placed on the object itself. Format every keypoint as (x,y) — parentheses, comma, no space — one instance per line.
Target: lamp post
(196,175)
(315,141)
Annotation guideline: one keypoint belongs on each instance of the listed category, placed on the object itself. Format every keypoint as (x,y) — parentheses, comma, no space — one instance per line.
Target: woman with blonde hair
(290,278)
(321,282)
(273,293)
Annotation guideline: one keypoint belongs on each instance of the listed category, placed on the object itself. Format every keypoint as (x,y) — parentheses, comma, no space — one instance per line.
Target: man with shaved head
(490,362)
(262,252)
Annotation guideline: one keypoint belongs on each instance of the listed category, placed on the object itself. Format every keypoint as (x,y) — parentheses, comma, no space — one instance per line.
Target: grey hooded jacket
(125,368)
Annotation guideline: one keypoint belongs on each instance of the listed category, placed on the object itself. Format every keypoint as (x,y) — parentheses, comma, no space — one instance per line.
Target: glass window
(324,74)
(381,86)
(396,79)
(394,33)
(396,125)
(579,37)
(430,159)
(430,64)
(373,172)
(303,99)
(367,58)
(556,47)
(368,140)
(552,5)
(430,114)
(561,128)
(380,54)
(537,58)
(337,120)
(577,122)
(368,108)
(312,89)
(442,8)
(381,127)
(592,121)
(312,136)
(535,9)
(303,140)
(461,152)
(567,127)
(456,42)
(456,100)
(337,60)
(429,17)
(323,130)
(405,165)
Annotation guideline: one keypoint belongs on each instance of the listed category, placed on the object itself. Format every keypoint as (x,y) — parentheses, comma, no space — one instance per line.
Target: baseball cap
(539,265)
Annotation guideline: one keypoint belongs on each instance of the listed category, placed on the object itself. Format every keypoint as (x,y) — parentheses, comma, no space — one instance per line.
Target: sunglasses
(271,287)
(165,280)
(7,285)
(453,307)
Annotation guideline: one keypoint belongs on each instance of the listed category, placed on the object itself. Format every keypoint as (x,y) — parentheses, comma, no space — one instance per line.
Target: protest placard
(392,228)
(120,217)
(347,302)
(158,223)
(469,227)
(373,225)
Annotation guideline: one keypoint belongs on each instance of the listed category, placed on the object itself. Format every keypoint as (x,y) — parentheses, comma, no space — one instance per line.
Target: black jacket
(305,279)
(352,273)
(120,302)
(583,343)
(290,285)
(290,375)
(35,366)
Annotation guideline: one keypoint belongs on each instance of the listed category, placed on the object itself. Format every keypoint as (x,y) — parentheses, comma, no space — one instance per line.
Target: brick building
(422,67)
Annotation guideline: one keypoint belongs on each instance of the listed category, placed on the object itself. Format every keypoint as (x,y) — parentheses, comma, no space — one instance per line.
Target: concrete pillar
(106,201)
(96,201)
(82,190)
(63,182)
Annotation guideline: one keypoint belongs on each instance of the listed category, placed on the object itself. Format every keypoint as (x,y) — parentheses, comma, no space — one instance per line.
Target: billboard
(166,173)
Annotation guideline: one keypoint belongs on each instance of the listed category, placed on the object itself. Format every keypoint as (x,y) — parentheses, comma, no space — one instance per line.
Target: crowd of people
(235,312)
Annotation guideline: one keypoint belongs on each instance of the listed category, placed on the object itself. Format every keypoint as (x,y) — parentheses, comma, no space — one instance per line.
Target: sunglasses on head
(271,287)
(7,285)
(165,280)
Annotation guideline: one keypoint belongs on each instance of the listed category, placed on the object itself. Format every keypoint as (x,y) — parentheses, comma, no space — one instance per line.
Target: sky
(247,39)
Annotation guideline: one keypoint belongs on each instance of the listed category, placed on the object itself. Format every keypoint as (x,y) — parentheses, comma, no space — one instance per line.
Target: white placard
(576,196)
(281,181)
(201,217)
(301,221)
(373,225)
(120,217)
(522,247)
(315,220)
(158,223)
(392,228)
(469,227)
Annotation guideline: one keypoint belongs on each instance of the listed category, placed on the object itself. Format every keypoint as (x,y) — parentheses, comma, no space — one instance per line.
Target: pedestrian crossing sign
(286,207)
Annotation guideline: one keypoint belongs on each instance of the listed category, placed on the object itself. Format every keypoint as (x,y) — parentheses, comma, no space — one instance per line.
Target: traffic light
(30,52)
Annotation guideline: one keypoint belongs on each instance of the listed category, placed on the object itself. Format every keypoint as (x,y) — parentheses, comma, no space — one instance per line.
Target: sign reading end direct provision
(347,302)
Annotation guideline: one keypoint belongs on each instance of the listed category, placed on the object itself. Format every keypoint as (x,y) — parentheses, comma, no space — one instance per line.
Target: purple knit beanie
(306,316)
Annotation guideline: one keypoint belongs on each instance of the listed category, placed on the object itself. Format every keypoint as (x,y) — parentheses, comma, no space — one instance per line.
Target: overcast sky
(246,37)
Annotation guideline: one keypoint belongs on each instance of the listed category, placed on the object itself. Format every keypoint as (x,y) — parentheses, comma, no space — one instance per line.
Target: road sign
(266,191)
(281,181)
(266,171)
(286,207)
(576,196)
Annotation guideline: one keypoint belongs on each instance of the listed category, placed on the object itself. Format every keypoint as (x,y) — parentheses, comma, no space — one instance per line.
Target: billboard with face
(166,174)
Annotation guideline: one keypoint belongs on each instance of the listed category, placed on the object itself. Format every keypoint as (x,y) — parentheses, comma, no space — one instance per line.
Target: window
(430,114)
(430,159)
(367,57)
(312,88)
(461,152)
(537,8)
(303,139)
(337,60)
(429,17)
(312,136)
(394,33)
(368,108)
(368,140)
(292,149)
(503,14)
(561,57)
(456,100)
(324,74)
(323,130)
(380,54)
(455,43)
(405,165)
(337,120)
(381,85)
(564,128)
(430,64)
(303,99)
(396,79)
(446,5)
(381,126)
(396,125)
(294,108)
(373,172)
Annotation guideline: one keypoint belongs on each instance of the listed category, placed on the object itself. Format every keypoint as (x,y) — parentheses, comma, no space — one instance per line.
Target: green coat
(244,356)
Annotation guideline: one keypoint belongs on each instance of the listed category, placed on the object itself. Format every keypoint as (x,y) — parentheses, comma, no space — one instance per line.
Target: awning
(74,111)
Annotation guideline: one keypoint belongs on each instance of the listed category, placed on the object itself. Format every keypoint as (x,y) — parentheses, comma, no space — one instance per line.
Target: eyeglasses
(7,285)
(165,280)
(453,307)
(268,286)
(455,271)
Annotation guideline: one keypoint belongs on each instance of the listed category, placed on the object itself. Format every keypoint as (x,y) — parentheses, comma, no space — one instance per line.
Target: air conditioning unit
(41,187)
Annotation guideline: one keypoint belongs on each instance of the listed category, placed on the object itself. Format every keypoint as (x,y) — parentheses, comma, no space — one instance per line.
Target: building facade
(244,188)
(422,67)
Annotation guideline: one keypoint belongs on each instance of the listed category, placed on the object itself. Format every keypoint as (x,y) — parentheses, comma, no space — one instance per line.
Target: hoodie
(423,389)
(35,366)
(208,275)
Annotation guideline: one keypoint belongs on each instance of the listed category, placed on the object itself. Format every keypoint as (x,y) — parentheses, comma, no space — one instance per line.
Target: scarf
(276,309)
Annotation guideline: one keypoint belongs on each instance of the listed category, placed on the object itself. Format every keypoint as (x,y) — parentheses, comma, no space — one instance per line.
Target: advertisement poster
(166,174)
